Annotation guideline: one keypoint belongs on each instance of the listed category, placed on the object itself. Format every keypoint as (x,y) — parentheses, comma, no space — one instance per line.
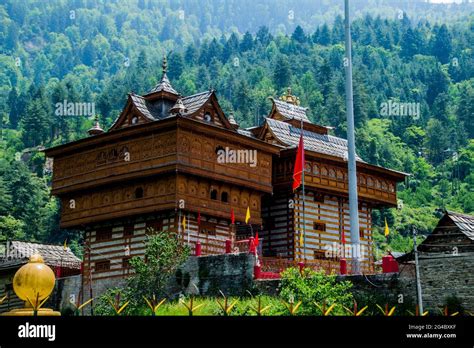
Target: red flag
(299,165)
(199,218)
(232,216)
(343,238)
(256,239)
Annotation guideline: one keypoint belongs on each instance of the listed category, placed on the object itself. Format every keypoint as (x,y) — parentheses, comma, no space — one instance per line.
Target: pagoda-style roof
(164,85)
(286,111)
(18,253)
(288,136)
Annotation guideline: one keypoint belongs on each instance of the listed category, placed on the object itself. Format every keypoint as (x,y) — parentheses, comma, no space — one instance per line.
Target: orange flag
(299,165)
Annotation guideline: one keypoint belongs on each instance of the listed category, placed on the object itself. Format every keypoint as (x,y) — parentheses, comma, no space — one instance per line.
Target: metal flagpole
(187,225)
(353,200)
(417,269)
(179,225)
(303,195)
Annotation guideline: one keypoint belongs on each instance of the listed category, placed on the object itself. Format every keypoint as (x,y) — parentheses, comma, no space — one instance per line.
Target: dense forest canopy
(408,54)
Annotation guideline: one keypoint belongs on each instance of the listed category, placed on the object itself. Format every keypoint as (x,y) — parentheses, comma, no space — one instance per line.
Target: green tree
(163,255)
(441,45)
(282,72)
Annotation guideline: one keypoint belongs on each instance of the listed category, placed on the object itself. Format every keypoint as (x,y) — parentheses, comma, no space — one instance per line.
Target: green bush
(312,287)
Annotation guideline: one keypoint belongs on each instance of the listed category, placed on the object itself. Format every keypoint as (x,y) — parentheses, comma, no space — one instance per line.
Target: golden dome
(34,281)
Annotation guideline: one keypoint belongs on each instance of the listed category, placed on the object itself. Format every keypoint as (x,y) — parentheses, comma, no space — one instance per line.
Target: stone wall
(206,275)
(447,275)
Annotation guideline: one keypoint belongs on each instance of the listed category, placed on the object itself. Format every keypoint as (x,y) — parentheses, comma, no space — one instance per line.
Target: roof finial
(96,129)
(164,65)
(289,98)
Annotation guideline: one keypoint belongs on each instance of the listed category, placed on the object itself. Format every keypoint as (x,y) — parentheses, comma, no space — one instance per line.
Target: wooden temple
(159,163)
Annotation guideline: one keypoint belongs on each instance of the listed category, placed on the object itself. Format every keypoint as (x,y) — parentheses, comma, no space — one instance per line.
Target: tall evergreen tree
(282,72)
(441,45)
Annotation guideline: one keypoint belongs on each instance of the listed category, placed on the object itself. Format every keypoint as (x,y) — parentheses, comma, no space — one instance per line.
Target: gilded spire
(289,98)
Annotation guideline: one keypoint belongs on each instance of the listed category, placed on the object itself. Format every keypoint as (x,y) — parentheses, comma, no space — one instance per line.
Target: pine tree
(282,72)
(441,45)
(299,35)
(247,42)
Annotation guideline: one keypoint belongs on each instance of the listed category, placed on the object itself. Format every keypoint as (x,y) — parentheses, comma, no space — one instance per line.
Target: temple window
(224,197)
(139,192)
(102,266)
(319,226)
(103,234)
(391,187)
(316,169)
(208,228)
(318,197)
(370,182)
(128,230)
(214,194)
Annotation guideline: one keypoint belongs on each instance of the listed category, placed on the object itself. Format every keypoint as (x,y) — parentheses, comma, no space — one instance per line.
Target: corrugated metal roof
(464,222)
(321,143)
(17,253)
(291,111)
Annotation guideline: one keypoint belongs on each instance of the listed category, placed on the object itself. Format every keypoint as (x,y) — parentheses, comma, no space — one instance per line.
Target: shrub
(164,254)
(312,287)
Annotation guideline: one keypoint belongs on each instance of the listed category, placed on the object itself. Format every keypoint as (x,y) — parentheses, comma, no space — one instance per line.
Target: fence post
(257,270)
(252,249)
(228,246)
(198,248)
(301,266)
(343,268)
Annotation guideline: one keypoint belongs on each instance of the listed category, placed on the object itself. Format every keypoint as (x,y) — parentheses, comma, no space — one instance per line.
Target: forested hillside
(83,51)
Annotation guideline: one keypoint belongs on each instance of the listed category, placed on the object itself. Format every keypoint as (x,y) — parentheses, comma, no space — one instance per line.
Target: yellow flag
(387,231)
(247,216)
(301,239)
(184,222)
(65,244)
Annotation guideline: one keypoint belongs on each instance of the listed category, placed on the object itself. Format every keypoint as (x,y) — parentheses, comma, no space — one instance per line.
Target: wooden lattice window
(102,266)
(139,192)
(104,233)
(224,197)
(154,226)
(318,197)
(128,230)
(208,228)
(319,226)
